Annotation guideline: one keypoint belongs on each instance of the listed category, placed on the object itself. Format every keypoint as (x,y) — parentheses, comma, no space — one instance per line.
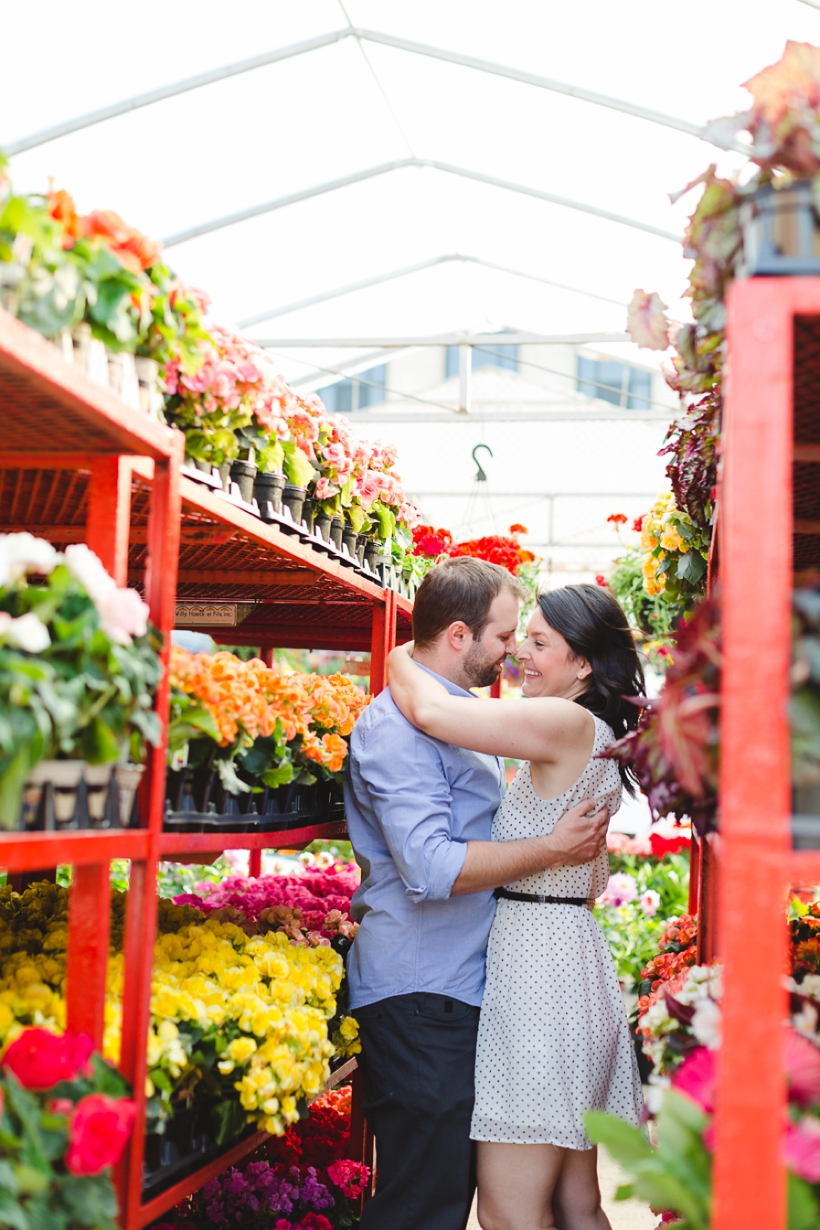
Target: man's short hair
(459,589)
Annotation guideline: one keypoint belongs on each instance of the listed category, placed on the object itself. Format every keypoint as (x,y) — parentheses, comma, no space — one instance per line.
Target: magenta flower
(803,1068)
(801,1149)
(695,1078)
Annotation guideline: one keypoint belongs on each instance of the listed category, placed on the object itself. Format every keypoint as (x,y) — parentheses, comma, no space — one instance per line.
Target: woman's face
(548,663)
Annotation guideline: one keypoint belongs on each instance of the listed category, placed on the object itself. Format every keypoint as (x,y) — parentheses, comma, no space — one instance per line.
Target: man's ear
(459,636)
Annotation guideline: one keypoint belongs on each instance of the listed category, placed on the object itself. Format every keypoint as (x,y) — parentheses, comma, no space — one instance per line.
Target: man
(420,814)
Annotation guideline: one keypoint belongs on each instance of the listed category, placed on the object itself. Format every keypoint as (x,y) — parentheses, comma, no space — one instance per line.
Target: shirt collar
(451,687)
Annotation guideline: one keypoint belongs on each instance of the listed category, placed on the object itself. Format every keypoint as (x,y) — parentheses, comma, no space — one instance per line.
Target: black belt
(540,899)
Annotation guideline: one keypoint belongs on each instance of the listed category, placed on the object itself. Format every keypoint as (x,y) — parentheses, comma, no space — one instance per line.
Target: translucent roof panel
(451,161)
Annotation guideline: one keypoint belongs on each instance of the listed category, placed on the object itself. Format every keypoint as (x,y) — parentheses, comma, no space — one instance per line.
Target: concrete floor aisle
(623,1214)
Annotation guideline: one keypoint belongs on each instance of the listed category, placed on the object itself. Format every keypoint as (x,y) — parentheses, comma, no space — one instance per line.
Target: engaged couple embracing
(490,1013)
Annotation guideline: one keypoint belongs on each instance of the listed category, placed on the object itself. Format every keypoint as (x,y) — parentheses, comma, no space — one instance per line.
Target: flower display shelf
(770,480)
(192,1157)
(77,465)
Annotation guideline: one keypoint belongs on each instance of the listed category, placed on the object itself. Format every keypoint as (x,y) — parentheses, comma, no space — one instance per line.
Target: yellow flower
(241,1049)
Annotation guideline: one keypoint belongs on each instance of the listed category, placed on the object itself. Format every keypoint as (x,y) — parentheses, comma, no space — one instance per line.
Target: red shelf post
(756,579)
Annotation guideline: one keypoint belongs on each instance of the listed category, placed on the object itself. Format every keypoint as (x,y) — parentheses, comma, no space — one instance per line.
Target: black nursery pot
(268,490)
(336,529)
(349,539)
(293,498)
(244,473)
(372,553)
(361,543)
(308,514)
(321,525)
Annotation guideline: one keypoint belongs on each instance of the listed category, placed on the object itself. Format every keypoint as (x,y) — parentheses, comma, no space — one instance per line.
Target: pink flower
(649,902)
(335,455)
(325,489)
(801,1149)
(40,1059)
(124,615)
(620,890)
(369,487)
(645,321)
(803,1068)
(695,1078)
(350,1176)
(99,1130)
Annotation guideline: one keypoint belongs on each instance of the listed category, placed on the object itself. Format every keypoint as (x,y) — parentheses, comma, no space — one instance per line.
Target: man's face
(484,658)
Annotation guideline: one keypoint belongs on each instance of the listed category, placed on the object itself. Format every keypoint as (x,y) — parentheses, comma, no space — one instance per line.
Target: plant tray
(198,803)
(65,795)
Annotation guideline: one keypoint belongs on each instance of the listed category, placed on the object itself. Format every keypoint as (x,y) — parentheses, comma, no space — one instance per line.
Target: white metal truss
(337,36)
(444,339)
(379,279)
(333,185)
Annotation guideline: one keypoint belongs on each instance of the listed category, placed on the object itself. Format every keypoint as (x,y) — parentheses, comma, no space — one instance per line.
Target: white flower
(123,614)
(645,321)
(707,1024)
(22,553)
(805,1021)
(27,632)
(810,986)
(87,568)
(649,902)
(656,1091)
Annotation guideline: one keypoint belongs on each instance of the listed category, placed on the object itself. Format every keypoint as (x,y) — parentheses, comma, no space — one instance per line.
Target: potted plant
(79,667)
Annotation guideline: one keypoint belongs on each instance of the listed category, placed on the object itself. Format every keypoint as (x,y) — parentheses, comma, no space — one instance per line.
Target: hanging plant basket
(781,232)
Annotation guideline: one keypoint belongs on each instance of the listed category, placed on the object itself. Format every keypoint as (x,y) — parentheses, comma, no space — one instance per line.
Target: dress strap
(507,894)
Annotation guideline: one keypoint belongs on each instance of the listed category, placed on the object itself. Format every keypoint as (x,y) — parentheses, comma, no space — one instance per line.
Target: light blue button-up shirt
(412,805)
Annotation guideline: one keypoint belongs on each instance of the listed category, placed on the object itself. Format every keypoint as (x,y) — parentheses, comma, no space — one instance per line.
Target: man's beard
(480,670)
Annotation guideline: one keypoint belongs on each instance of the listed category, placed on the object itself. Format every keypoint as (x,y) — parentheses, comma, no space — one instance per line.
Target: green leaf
(803,1208)
(11,1213)
(229,1120)
(298,468)
(89,1200)
(279,776)
(625,1143)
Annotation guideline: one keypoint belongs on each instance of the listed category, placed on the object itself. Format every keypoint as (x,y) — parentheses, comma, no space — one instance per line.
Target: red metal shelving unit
(76,465)
(769,540)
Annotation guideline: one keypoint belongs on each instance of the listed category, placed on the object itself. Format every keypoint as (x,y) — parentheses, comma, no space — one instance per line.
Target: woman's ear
(584,669)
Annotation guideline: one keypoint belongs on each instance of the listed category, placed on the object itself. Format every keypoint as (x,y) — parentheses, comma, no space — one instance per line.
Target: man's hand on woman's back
(580,834)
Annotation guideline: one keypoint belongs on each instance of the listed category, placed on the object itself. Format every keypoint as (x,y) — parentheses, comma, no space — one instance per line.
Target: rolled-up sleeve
(410,792)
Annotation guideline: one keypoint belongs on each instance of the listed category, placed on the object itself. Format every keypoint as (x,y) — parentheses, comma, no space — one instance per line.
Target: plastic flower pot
(293,498)
(336,530)
(268,490)
(243,473)
(321,525)
(150,397)
(361,543)
(349,539)
(225,475)
(781,231)
(372,552)
(308,514)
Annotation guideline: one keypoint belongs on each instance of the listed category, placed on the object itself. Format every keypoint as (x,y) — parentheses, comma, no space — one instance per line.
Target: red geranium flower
(637,524)
(661,846)
(617,519)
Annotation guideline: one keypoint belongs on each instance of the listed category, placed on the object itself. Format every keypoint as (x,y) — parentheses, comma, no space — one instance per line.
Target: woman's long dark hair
(591,621)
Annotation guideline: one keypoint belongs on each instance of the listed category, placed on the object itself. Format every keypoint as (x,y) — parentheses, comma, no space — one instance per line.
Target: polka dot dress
(553,1040)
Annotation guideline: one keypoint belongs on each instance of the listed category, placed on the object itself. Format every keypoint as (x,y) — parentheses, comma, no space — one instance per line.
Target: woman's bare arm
(577,838)
(540,729)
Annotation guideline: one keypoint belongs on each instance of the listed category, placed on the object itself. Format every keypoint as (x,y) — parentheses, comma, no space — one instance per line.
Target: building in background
(574,434)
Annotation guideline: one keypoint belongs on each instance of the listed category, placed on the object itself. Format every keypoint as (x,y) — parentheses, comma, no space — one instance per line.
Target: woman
(553,1040)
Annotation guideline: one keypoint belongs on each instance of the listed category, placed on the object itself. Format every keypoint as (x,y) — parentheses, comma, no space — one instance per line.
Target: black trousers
(417,1061)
